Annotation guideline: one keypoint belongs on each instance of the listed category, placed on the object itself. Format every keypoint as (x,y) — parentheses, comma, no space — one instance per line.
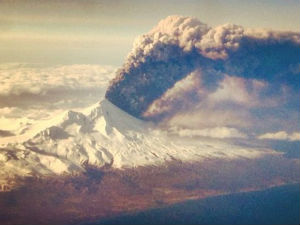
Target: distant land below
(276,205)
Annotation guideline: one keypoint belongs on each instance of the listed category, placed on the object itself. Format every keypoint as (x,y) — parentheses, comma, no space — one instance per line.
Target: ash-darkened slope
(178,46)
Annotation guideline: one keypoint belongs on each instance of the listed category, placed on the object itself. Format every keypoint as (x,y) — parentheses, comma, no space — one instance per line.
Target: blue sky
(102,32)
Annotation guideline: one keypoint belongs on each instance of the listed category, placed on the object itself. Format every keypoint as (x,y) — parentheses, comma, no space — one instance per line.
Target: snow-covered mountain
(102,135)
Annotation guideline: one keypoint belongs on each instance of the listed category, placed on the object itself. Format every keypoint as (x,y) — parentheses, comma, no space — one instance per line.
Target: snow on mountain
(102,135)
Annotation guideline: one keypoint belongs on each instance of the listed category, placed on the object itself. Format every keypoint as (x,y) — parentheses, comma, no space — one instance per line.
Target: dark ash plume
(178,46)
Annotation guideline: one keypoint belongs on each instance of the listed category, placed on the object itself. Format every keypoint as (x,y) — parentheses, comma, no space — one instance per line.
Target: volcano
(103,136)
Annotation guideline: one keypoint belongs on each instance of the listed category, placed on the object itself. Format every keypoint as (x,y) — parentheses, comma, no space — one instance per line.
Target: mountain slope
(102,135)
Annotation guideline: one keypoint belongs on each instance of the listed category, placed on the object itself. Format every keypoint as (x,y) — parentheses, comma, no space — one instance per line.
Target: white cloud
(206,116)
(32,92)
(281,135)
(18,79)
(215,132)
(295,136)
(7,111)
(14,124)
(63,86)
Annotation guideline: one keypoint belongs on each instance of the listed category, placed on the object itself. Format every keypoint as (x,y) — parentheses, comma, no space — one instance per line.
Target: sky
(60,55)
(102,32)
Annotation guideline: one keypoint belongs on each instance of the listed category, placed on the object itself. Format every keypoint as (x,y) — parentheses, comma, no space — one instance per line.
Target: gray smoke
(182,49)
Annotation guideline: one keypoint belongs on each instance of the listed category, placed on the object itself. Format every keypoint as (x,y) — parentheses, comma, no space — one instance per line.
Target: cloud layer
(215,132)
(281,135)
(25,85)
(33,92)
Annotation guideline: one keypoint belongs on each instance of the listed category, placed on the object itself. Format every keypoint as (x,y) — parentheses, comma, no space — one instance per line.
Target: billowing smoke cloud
(182,64)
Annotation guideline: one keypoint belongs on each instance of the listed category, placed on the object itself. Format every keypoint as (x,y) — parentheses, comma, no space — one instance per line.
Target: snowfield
(102,135)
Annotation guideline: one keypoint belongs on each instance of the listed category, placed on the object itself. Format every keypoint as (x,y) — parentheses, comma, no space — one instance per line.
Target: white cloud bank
(215,132)
(281,135)
(31,92)
(60,86)
(18,79)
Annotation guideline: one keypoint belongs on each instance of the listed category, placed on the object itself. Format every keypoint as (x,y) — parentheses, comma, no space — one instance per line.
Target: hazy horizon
(102,32)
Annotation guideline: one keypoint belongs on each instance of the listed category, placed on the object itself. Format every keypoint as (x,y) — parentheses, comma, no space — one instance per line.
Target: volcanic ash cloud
(183,49)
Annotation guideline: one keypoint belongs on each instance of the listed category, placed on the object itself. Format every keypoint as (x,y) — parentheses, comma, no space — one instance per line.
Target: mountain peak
(104,135)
